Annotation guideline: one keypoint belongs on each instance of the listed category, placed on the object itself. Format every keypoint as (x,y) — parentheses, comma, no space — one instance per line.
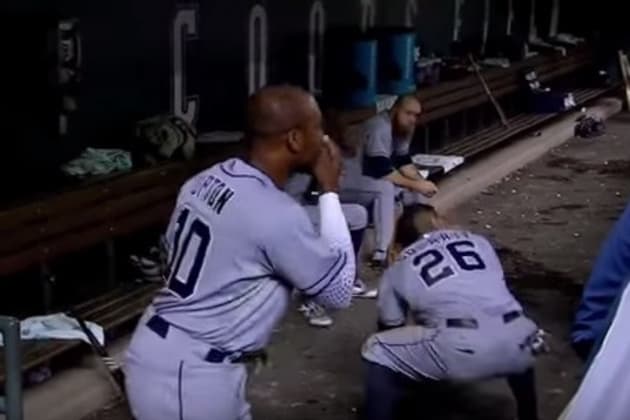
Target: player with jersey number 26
(237,246)
(466,325)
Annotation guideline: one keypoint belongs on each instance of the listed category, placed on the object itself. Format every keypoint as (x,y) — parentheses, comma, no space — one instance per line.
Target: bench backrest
(51,227)
(450,98)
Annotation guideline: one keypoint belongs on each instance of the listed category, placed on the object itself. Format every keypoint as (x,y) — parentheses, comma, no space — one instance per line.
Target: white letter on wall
(316,30)
(257,49)
(184,29)
(411,13)
(367,14)
(533,30)
(555,19)
(510,18)
(486,26)
(458,19)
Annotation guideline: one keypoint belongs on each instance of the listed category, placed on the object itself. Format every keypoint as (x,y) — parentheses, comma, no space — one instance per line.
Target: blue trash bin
(396,60)
(350,70)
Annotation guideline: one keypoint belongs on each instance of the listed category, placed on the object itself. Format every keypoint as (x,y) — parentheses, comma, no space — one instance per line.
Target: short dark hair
(408,229)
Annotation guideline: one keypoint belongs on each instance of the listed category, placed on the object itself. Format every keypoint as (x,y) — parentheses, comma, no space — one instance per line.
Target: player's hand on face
(328,167)
(426,188)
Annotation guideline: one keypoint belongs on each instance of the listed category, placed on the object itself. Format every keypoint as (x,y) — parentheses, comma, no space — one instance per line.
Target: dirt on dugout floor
(547,221)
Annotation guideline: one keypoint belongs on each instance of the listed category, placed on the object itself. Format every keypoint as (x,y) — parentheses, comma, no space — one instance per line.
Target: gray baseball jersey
(228,239)
(377,194)
(298,185)
(381,151)
(237,246)
(450,275)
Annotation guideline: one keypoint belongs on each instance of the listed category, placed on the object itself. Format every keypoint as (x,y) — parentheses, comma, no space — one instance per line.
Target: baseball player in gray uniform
(387,137)
(466,323)
(379,195)
(299,187)
(378,170)
(237,246)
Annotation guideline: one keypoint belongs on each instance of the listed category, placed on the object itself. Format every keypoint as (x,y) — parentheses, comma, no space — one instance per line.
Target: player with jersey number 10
(237,246)
(466,325)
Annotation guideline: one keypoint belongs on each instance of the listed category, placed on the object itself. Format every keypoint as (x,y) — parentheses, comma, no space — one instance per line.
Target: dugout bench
(446,101)
(98,212)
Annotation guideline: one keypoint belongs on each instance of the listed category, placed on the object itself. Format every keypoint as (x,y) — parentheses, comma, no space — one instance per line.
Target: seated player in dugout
(386,139)
(377,195)
(299,186)
(466,325)
(606,283)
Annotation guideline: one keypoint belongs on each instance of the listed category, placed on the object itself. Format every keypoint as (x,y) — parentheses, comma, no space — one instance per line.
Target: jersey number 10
(185,262)
(434,267)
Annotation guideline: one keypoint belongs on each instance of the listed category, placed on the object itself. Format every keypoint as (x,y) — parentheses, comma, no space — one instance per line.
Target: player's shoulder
(443,237)
(257,195)
(376,124)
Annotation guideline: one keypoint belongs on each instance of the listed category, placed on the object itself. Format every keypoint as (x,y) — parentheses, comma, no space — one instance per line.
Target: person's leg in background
(380,195)
(523,388)
(385,393)
(409,198)
(356,217)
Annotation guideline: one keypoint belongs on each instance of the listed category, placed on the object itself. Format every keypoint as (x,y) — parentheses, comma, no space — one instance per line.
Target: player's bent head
(285,121)
(415,221)
(405,114)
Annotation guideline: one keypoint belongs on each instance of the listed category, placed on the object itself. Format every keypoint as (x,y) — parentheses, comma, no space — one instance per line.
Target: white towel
(56,326)
(446,163)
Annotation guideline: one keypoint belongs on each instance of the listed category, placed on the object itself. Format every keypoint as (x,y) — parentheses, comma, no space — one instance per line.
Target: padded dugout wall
(129,65)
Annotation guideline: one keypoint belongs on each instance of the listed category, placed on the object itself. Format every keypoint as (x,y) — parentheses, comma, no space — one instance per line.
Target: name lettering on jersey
(433,239)
(441,237)
(215,193)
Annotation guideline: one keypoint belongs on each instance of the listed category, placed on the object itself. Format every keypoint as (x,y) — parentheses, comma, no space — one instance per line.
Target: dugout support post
(12,403)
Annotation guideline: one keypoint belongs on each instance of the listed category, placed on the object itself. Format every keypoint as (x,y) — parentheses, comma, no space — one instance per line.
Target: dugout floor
(548,220)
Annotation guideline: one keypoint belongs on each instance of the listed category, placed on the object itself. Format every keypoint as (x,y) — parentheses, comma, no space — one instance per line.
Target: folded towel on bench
(98,162)
(432,165)
(57,326)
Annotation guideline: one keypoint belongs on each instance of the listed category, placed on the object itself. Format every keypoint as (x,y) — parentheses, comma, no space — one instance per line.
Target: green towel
(98,162)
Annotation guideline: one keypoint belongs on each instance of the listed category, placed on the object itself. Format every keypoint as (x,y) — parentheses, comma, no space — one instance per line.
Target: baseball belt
(161,327)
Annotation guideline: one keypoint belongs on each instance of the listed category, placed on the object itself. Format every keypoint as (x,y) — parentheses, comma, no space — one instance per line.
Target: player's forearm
(334,230)
(410,171)
(400,180)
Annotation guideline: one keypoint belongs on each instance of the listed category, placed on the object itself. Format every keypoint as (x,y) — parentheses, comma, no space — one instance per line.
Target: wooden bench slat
(98,313)
(454,148)
(448,93)
(75,241)
(125,313)
(475,144)
(467,147)
(31,235)
(77,199)
(103,298)
(38,352)
(508,76)
(118,186)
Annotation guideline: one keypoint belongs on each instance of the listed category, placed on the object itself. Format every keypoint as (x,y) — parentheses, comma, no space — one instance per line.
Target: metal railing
(12,404)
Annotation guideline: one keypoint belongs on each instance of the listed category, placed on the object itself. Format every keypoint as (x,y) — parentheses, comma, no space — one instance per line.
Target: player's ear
(295,141)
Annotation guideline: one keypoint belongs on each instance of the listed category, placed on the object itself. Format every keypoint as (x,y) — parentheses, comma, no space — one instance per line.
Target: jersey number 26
(434,267)
(190,245)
